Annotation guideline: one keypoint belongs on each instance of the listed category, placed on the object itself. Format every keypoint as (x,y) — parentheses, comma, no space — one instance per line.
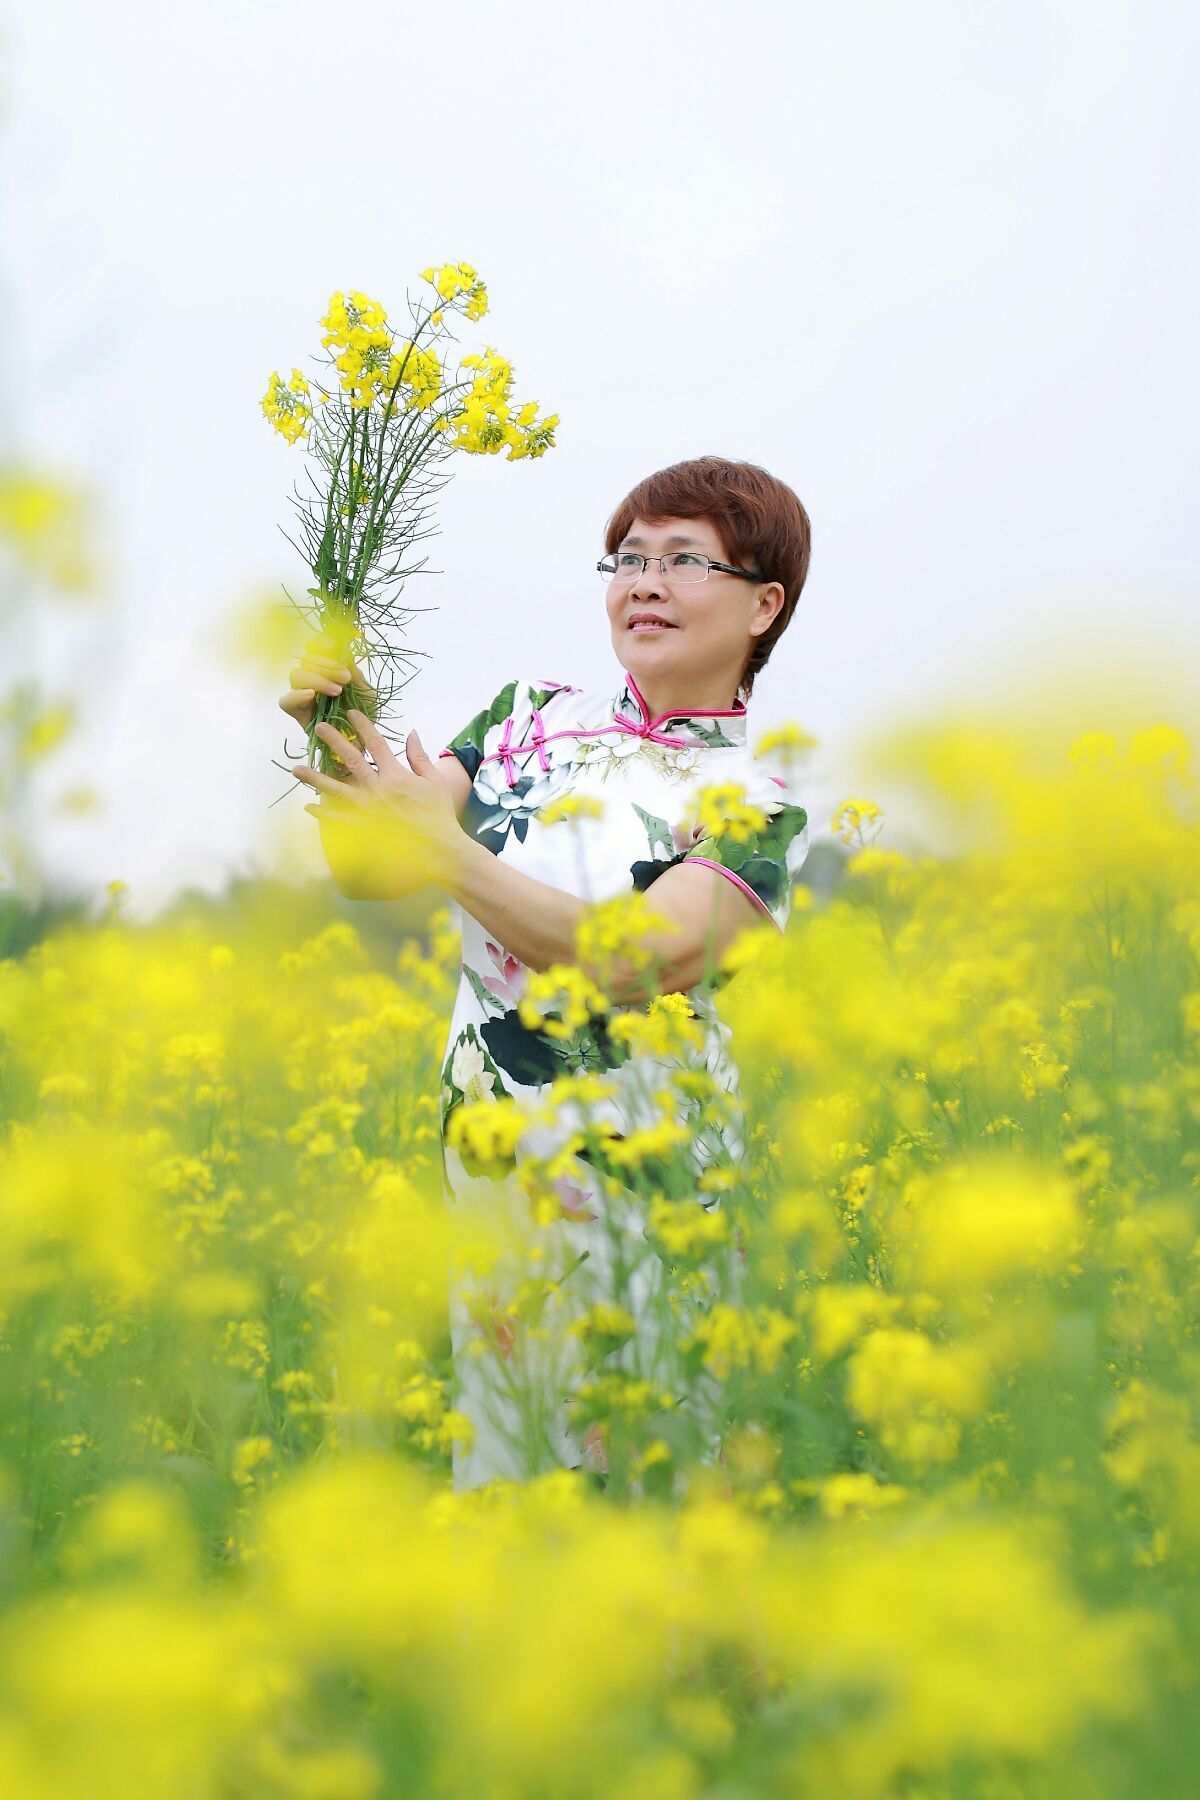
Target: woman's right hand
(318,672)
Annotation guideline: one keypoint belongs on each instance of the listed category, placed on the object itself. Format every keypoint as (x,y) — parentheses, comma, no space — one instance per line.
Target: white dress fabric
(516,1361)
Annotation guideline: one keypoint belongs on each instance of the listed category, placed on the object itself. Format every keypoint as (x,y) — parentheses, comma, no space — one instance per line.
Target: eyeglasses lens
(682,566)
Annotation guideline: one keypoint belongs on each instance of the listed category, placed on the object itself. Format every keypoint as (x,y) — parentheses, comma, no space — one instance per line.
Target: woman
(553,798)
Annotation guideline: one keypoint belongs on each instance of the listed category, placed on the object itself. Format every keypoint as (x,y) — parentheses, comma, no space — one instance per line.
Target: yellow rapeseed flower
(486,1130)
(785,745)
(723,810)
(856,820)
(979,1222)
(667,1027)
(453,279)
(45,523)
(916,1393)
(571,807)
(287,405)
(559,1001)
(857,1492)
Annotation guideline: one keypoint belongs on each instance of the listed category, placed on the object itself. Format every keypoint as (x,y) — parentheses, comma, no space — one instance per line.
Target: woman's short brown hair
(759,519)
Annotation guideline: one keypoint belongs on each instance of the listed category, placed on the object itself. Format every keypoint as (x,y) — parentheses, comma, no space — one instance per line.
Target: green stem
(331,496)
(344,560)
(381,494)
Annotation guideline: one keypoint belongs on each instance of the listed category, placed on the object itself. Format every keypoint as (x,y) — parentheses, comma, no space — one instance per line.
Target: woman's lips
(651,625)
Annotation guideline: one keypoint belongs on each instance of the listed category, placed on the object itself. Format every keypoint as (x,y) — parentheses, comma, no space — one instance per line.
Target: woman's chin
(638,644)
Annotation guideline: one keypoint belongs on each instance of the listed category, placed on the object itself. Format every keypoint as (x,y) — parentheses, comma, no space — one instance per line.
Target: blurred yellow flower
(857,820)
(46,524)
(723,810)
(559,1000)
(982,1221)
(571,807)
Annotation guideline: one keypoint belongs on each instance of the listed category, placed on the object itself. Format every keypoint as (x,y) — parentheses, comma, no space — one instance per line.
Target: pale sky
(933,265)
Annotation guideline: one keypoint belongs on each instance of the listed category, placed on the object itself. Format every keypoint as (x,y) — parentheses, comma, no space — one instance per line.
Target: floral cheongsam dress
(524,1304)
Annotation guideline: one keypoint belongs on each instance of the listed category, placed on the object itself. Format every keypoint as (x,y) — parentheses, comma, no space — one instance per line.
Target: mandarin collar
(684,723)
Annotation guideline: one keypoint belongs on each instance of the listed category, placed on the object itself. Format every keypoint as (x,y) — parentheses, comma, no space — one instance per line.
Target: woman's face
(707,628)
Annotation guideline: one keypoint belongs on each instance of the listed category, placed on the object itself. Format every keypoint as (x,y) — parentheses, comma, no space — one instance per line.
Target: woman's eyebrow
(677,538)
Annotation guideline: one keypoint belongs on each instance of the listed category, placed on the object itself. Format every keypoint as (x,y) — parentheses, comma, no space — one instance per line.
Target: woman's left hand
(400,819)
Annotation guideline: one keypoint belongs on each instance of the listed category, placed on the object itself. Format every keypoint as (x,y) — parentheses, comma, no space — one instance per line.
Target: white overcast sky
(935,265)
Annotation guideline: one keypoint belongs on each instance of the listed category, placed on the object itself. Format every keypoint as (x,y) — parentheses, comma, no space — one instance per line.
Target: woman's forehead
(672,534)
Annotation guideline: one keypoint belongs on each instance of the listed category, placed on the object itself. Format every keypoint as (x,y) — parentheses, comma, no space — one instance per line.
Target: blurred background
(934,266)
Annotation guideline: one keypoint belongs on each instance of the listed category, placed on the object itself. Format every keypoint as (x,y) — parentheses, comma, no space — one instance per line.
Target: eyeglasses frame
(722,567)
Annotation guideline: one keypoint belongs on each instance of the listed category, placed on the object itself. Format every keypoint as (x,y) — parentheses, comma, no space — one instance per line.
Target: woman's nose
(650,580)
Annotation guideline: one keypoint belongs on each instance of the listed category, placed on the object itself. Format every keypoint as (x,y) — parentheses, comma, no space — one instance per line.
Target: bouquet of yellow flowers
(379,428)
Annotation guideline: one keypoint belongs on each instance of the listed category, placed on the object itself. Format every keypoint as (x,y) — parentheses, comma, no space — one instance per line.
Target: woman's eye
(684,559)
(628,560)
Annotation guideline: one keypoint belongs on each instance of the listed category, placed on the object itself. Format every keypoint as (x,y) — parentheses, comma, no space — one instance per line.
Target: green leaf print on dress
(658,836)
(657,831)
(531,1056)
(712,734)
(765,860)
(468,745)
(489,1002)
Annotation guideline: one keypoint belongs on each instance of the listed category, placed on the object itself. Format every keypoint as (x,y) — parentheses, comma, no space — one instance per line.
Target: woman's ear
(770,602)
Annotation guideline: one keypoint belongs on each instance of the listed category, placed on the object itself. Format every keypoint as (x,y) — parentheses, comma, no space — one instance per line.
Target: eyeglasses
(681,566)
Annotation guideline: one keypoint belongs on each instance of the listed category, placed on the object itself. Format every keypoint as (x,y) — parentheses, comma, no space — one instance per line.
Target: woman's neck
(706,697)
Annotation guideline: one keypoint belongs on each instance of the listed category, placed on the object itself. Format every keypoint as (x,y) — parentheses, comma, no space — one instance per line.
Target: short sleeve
(470,744)
(508,718)
(763,863)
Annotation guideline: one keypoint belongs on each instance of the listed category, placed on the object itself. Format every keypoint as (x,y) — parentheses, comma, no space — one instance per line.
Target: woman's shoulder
(519,706)
(559,703)
(768,790)
(760,776)
(537,690)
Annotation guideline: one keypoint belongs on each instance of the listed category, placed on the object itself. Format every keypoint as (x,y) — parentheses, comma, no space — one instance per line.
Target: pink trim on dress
(738,882)
(539,740)
(507,750)
(655,737)
(504,753)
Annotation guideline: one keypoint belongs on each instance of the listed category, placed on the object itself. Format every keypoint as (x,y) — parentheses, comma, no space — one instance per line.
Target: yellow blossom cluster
(668,1133)
(560,1000)
(857,821)
(570,808)
(356,328)
(604,1327)
(723,810)
(737,1337)
(787,745)
(454,279)
(487,420)
(486,1130)
(667,1027)
(611,939)
(385,377)
(418,370)
(45,524)
(287,405)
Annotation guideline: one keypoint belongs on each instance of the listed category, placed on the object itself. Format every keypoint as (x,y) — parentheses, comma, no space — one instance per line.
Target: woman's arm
(537,923)
(408,833)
